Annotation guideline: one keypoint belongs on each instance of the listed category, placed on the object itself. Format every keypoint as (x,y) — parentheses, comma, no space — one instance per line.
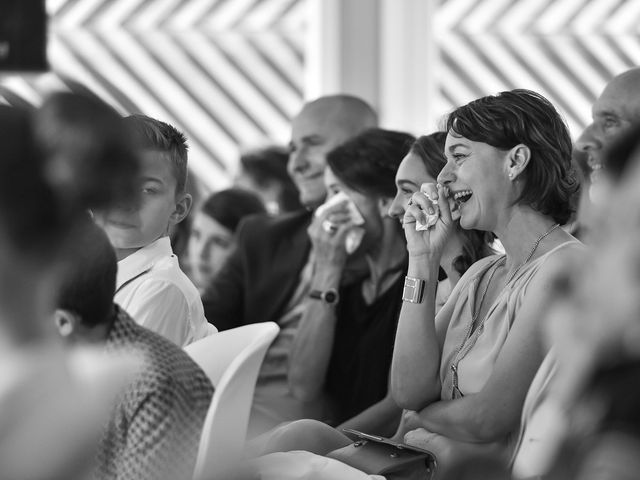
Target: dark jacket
(261,275)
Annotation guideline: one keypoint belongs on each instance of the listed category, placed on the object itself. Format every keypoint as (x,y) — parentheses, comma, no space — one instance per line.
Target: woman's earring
(511,175)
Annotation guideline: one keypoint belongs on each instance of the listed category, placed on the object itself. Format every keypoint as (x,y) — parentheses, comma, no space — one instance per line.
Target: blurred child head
(86,294)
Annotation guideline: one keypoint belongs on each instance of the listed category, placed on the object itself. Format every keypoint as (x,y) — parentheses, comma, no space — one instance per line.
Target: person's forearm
(415,369)
(381,418)
(313,342)
(468,419)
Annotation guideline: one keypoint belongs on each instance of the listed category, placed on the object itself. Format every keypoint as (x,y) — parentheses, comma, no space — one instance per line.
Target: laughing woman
(464,376)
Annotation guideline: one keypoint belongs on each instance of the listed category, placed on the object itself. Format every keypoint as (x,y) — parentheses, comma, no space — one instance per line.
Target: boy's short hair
(153,134)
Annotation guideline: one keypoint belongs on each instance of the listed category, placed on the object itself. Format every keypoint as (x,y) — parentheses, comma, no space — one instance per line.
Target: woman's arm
(415,369)
(381,418)
(313,342)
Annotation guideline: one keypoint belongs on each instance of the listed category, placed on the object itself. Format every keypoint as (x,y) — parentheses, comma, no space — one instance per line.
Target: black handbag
(381,456)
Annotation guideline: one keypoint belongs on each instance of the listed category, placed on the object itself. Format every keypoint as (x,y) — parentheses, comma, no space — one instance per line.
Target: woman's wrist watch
(413,291)
(329,296)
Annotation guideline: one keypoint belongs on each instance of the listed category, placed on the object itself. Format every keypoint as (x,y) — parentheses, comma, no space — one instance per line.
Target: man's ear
(183,206)
(66,322)
(519,157)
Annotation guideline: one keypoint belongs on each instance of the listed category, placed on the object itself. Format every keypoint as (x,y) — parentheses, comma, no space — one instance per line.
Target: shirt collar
(142,260)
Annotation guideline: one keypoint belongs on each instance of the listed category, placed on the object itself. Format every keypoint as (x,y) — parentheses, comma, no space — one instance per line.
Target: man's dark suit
(259,278)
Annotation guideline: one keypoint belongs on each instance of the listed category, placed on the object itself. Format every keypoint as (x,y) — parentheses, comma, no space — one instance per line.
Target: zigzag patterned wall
(228,73)
(564,49)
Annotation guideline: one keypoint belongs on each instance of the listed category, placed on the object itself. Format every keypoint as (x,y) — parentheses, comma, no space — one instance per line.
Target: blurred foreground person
(70,155)
(591,398)
(579,296)
(155,428)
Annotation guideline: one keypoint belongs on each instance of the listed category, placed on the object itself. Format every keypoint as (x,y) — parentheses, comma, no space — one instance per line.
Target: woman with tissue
(343,345)
(464,373)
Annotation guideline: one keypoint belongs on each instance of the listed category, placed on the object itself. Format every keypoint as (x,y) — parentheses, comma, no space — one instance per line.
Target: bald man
(614,112)
(268,278)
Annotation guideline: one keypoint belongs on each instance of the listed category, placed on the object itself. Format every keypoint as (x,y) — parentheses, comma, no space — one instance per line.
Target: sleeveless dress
(468,359)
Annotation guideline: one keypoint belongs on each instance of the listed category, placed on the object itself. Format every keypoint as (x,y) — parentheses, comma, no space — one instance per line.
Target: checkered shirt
(155,430)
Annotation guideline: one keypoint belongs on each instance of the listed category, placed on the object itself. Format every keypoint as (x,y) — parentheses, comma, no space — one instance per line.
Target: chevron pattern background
(565,49)
(230,72)
(227,72)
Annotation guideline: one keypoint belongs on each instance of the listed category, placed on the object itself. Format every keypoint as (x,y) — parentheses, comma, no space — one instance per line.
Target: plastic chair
(231,359)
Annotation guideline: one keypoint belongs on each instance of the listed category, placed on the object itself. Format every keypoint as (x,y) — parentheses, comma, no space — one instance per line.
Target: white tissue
(432,219)
(354,236)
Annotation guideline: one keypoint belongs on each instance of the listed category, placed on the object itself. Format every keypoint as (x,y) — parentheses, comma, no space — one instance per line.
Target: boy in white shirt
(150,285)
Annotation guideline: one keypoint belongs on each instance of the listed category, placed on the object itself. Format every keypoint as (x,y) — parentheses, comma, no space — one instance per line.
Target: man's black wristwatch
(330,296)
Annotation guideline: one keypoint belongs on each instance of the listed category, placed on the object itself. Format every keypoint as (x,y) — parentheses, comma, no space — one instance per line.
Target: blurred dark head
(70,155)
(264,171)
(228,207)
(90,282)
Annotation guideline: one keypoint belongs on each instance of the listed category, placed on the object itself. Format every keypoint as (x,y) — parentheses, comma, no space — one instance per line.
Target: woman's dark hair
(69,155)
(525,117)
(475,243)
(368,162)
(430,149)
(266,165)
(228,207)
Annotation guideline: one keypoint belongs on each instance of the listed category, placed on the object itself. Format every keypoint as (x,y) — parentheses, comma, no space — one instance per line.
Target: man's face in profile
(315,132)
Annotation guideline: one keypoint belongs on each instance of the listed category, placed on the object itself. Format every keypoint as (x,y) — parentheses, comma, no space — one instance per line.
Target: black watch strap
(329,296)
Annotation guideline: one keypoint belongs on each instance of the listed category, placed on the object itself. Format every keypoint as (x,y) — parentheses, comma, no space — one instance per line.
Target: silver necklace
(534,247)
(474,318)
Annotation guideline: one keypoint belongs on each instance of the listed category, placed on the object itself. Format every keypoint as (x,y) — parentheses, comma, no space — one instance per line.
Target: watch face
(330,296)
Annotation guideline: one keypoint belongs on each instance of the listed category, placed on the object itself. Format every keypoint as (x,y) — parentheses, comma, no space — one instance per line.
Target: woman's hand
(442,447)
(327,232)
(430,200)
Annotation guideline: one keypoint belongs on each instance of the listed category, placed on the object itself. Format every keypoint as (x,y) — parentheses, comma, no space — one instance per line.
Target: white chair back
(231,359)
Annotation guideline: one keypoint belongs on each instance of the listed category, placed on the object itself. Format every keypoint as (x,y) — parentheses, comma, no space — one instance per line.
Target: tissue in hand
(431,218)
(355,234)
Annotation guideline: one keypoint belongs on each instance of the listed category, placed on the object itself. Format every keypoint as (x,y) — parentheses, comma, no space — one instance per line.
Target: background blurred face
(210,244)
(613,114)
(315,132)
(411,174)
(139,223)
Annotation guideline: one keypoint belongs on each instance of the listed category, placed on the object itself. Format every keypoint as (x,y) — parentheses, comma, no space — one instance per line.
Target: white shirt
(159,296)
